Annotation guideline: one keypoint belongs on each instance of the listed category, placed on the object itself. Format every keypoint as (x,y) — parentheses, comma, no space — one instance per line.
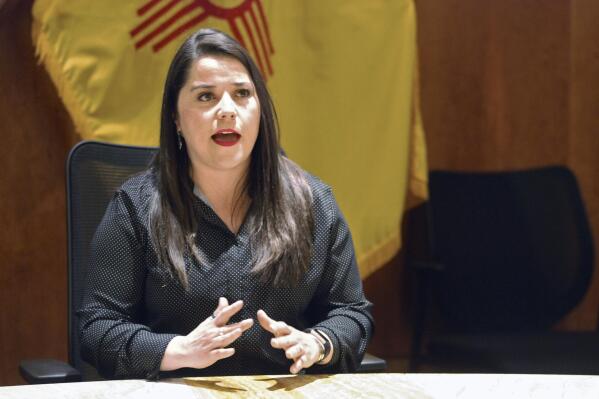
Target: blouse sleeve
(112,337)
(340,303)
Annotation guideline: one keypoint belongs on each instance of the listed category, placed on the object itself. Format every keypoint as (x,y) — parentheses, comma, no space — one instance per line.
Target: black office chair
(94,171)
(512,253)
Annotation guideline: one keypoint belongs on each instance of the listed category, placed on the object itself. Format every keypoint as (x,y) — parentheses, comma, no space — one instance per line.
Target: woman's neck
(223,190)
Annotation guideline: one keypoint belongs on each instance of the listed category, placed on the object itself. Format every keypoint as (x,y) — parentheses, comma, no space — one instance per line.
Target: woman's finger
(305,361)
(283,342)
(242,325)
(277,328)
(297,366)
(293,352)
(222,353)
(281,329)
(222,302)
(225,313)
(222,339)
(265,321)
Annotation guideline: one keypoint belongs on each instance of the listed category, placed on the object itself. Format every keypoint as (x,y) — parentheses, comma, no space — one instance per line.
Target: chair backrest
(94,172)
(516,246)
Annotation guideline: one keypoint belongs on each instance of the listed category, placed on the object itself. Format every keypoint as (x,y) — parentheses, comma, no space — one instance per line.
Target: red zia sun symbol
(179,16)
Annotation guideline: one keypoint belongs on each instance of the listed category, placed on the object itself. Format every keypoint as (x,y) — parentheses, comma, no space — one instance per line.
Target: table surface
(413,386)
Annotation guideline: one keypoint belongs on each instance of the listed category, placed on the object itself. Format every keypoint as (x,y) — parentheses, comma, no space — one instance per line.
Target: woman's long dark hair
(280,220)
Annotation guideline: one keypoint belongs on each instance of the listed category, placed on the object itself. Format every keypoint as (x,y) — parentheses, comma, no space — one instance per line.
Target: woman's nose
(226,108)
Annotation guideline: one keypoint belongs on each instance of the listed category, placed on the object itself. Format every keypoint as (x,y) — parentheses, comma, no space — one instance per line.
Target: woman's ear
(176,120)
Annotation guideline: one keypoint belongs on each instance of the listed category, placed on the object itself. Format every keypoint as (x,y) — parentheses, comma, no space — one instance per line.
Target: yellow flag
(342,74)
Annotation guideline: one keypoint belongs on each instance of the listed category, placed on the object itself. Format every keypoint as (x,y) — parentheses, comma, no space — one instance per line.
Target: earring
(179,140)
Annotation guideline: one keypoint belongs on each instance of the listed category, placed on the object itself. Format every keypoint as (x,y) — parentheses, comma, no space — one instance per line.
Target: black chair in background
(512,253)
(94,171)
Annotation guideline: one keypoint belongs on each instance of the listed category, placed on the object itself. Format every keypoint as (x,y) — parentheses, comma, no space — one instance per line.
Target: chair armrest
(47,371)
(372,364)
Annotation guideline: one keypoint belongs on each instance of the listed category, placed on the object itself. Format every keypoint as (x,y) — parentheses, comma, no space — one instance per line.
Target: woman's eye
(205,96)
(243,93)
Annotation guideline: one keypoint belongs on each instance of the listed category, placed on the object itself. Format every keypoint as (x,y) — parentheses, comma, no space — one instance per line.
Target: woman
(221,230)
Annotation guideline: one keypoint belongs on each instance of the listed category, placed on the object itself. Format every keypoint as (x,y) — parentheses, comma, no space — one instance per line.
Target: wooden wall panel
(494,78)
(36,134)
(583,130)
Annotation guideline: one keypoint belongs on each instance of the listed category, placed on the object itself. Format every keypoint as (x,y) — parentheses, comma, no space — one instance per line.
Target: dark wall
(505,84)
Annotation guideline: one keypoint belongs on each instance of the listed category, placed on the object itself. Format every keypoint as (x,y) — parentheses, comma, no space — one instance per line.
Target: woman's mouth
(226,137)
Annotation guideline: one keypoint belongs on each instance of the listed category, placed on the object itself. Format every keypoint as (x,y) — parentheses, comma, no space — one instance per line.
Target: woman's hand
(301,347)
(206,344)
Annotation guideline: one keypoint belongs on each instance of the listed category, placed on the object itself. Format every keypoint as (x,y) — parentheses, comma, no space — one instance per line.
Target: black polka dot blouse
(132,307)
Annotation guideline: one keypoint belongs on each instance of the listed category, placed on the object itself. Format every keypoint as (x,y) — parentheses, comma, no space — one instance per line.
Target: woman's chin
(233,162)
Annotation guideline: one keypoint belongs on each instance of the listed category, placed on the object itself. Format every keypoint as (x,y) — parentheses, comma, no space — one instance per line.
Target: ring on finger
(213,316)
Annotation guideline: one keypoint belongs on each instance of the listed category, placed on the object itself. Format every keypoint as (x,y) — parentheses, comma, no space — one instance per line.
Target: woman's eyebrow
(202,86)
(209,86)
